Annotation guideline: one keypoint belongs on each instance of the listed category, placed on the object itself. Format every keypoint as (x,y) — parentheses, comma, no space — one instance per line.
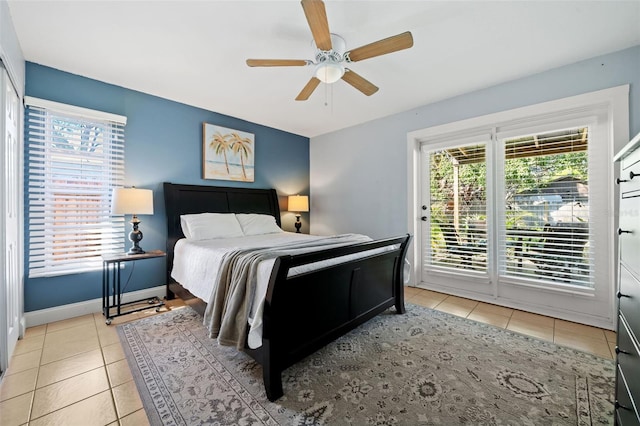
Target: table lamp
(132,201)
(298,204)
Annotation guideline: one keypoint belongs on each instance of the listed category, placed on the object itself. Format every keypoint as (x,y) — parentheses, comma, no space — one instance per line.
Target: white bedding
(196,265)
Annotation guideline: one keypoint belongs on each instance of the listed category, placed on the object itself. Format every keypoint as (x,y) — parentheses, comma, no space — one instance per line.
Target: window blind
(546,233)
(75,157)
(458,207)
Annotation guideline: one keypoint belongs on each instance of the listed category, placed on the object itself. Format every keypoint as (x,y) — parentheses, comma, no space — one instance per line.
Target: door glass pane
(457,206)
(546,225)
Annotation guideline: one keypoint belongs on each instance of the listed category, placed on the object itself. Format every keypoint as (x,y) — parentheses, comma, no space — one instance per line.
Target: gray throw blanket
(228,309)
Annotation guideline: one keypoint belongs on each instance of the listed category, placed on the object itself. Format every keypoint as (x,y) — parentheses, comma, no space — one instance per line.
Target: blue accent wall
(163,143)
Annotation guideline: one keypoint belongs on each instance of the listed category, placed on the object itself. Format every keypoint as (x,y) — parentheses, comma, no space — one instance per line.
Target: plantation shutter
(546,233)
(75,157)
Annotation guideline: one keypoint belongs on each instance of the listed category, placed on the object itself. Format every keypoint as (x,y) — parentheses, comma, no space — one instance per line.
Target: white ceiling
(194,51)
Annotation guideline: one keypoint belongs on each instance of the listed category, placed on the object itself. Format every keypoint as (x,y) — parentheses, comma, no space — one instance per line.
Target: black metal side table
(112,289)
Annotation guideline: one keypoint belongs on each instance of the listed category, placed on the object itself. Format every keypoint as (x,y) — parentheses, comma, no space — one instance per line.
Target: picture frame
(227,154)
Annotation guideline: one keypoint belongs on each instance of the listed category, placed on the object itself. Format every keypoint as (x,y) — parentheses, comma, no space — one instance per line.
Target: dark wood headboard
(192,199)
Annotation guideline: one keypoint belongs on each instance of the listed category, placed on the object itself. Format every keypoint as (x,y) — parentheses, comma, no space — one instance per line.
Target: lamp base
(135,250)
(298,224)
(135,236)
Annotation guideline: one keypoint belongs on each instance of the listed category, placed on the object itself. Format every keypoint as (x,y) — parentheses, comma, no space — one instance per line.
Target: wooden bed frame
(343,296)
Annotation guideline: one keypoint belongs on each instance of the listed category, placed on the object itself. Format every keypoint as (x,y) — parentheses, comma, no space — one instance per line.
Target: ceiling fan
(331,57)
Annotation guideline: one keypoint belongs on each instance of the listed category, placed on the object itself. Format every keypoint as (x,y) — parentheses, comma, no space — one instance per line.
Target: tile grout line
(35,385)
(104,362)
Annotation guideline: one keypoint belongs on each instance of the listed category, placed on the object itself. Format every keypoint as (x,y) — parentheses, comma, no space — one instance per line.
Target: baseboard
(71,310)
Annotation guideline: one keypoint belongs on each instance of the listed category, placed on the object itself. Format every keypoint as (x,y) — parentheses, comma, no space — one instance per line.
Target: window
(75,157)
(458,207)
(546,220)
(540,209)
(546,189)
(514,208)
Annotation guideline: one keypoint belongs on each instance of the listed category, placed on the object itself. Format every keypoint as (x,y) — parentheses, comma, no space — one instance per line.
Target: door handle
(620,351)
(618,405)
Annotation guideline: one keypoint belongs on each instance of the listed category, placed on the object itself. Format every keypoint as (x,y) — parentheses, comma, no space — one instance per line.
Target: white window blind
(546,234)
(75,157)
(458,207)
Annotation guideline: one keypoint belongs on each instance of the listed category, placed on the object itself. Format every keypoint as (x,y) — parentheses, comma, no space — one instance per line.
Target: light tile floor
(578,336)
(74,372)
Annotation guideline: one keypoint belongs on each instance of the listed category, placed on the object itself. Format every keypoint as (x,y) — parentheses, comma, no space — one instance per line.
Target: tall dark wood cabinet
(627,345)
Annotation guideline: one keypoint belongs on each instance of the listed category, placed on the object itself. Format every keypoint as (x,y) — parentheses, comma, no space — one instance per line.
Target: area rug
(423,367)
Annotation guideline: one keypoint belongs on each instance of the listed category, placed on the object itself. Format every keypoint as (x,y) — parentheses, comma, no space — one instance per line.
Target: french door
(518,215)
(455,238)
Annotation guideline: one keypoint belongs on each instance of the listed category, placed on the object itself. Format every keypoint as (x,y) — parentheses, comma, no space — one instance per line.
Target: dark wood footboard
(305,312)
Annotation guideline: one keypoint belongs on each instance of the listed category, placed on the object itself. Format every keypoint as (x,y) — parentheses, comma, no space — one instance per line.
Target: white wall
(358,175)
(10,51)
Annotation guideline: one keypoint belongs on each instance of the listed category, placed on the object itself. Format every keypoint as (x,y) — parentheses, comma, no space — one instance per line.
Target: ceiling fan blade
(316,15)
(360,83)
(381,47)
(308,89)
(277,62)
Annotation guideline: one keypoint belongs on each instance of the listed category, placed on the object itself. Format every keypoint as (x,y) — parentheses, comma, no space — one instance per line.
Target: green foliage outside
(527,174)
(534,174)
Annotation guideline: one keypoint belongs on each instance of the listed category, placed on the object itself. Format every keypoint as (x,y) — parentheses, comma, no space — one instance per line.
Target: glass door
(519,216)
(455,222)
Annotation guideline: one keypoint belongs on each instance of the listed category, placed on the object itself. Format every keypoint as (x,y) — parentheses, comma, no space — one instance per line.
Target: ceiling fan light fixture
(329,72)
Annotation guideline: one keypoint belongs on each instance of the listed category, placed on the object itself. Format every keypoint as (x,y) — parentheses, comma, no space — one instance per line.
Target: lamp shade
(298,203)
(132,201)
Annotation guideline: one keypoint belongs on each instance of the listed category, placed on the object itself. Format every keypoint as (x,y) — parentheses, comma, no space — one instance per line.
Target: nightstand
(112,287)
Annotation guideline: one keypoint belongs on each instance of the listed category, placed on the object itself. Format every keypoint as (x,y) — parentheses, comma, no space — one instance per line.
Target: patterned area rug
(424,367)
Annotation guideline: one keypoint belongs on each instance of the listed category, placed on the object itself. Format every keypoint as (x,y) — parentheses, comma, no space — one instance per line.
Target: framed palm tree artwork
(227,154)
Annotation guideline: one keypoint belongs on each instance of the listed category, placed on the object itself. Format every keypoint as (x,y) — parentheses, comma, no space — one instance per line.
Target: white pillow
(207,226)
(257,224)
